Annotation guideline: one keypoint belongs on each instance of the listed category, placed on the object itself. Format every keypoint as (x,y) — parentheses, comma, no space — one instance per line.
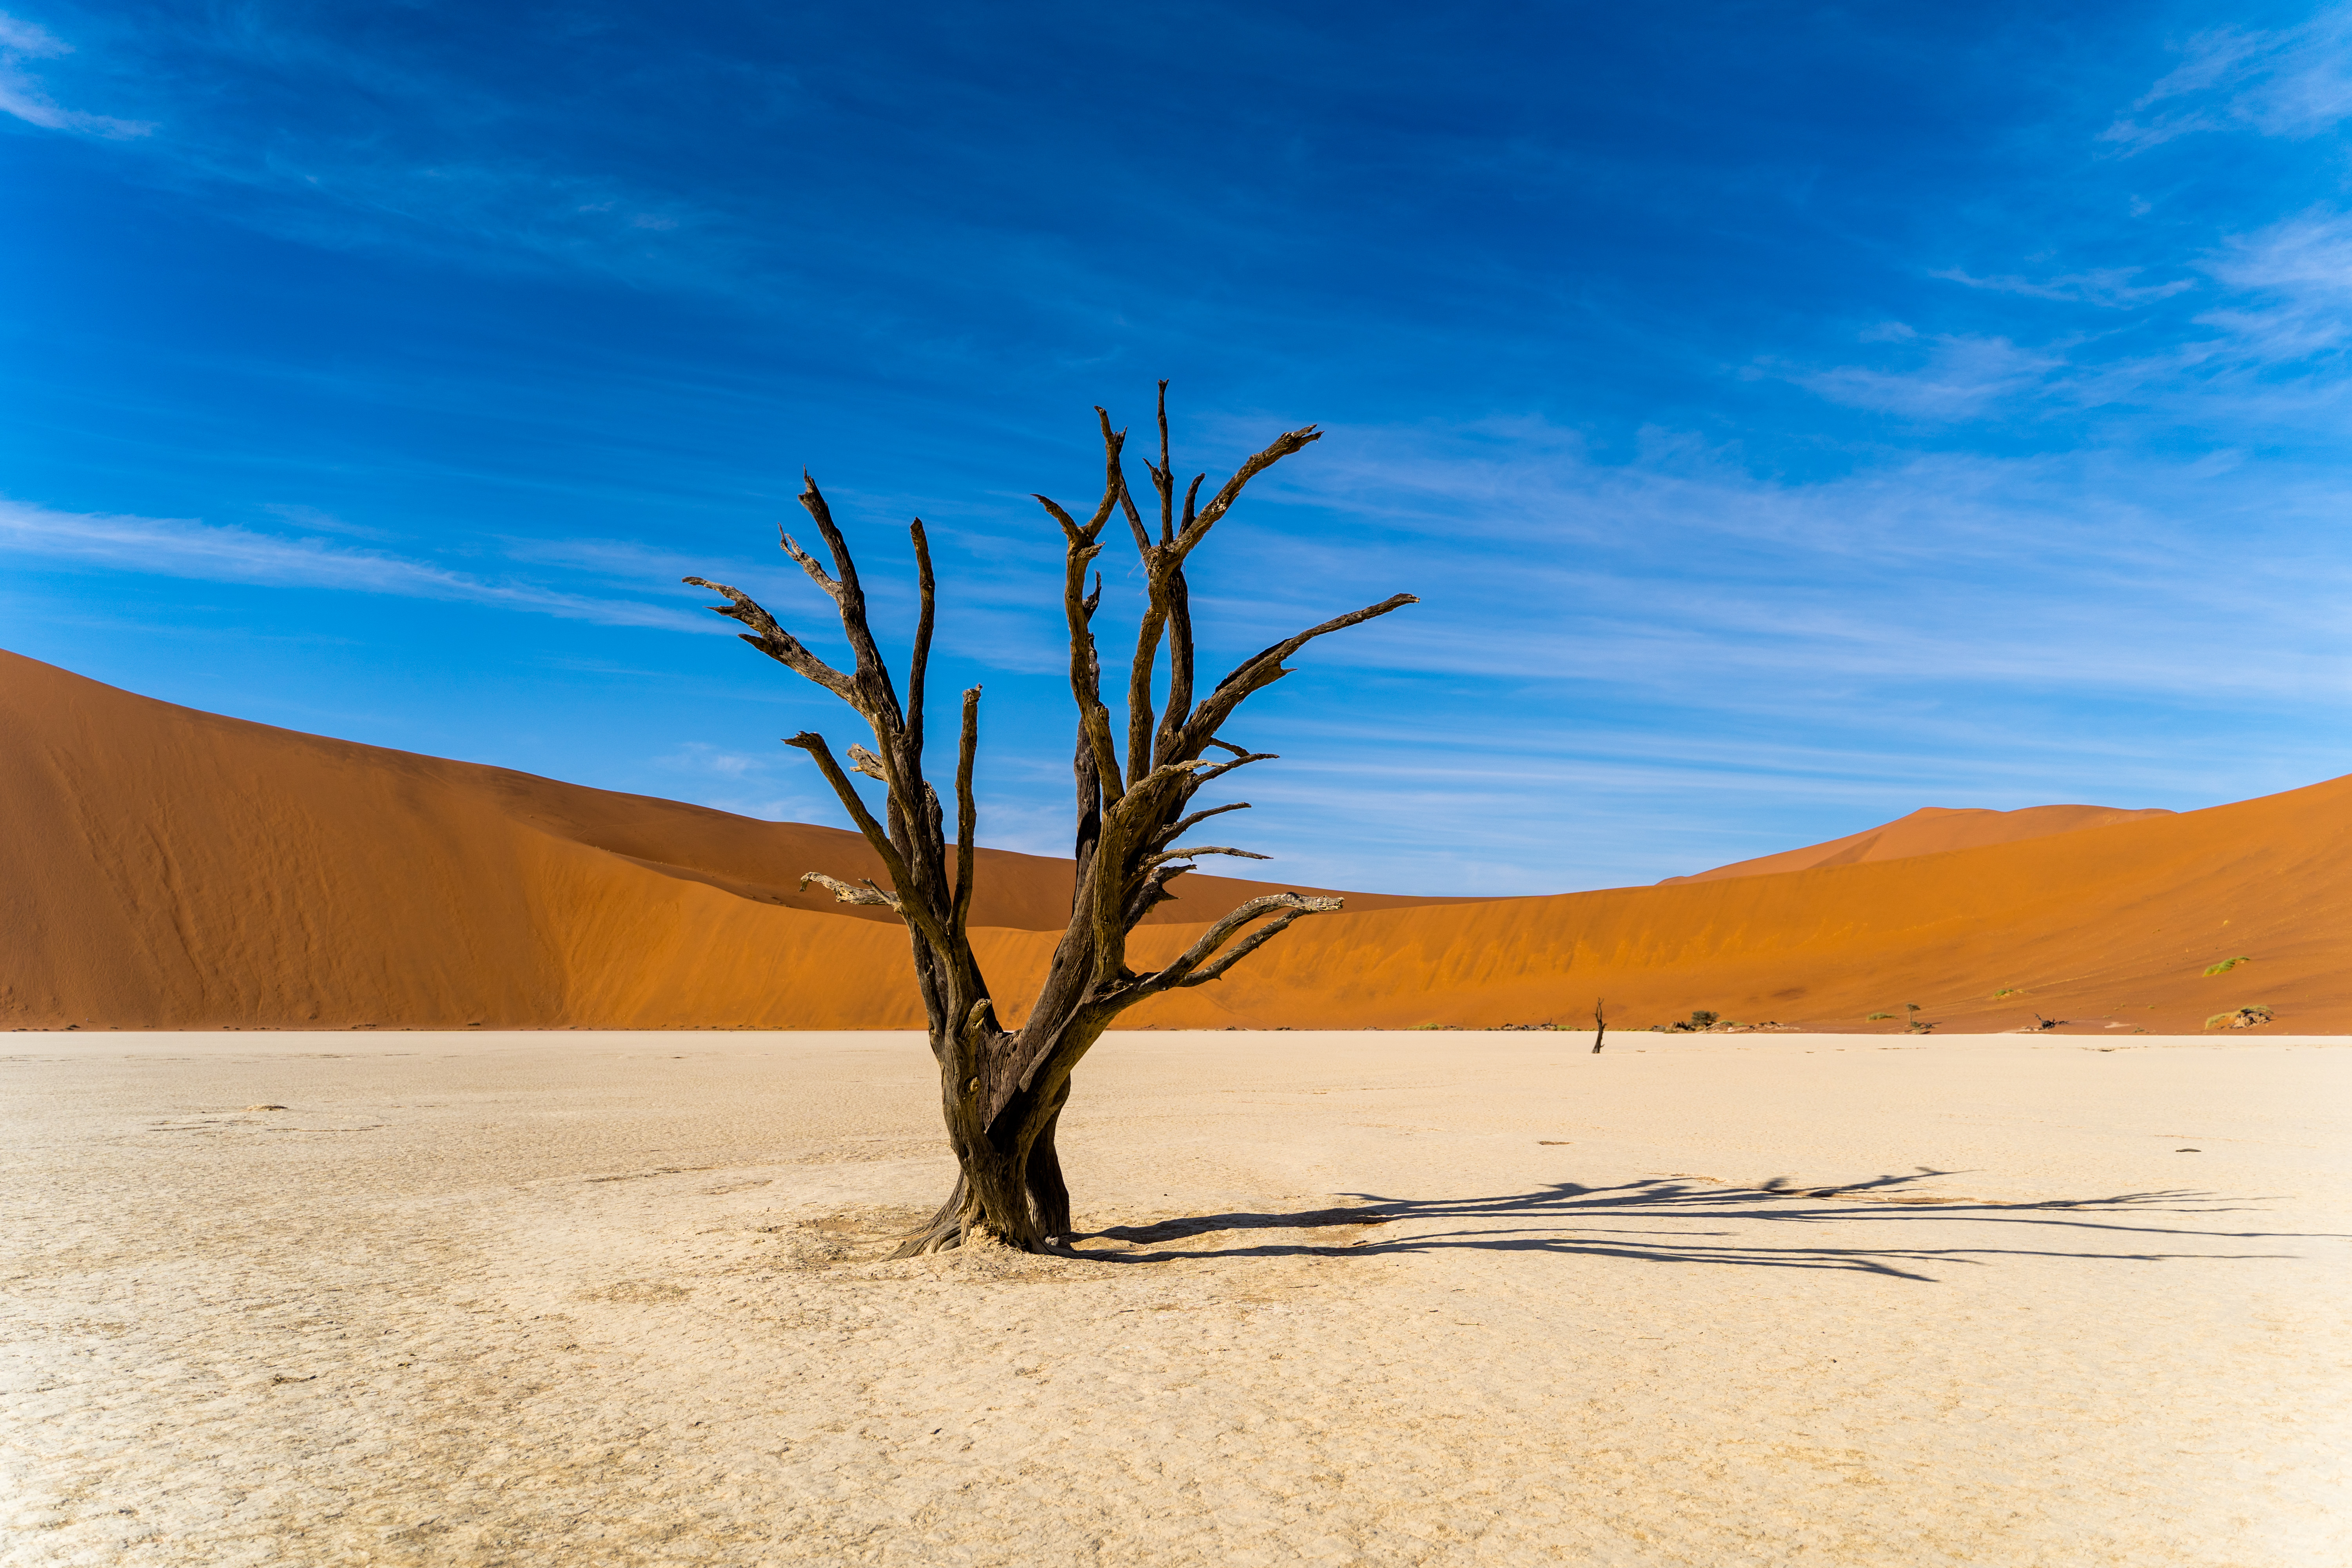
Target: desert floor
(1403,1298)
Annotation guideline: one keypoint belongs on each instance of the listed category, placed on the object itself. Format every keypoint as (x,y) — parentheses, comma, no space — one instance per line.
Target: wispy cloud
(700,757)
(616,560)
(745,784)
(2298,274)
(2272,355)
(310,517)
(1959,377)
(1687,574)
(2111,286)
(2290,81)
(1651,663)
(186,547)
(23,94)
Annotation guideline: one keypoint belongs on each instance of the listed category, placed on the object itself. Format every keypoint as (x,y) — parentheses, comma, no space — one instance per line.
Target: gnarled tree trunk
(1001,1091)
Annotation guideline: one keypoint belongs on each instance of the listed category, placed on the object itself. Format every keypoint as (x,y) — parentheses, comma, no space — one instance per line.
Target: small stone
(265,1108)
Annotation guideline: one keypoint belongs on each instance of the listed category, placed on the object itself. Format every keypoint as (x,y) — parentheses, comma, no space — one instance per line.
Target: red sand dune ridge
(1930,830)
(172,868)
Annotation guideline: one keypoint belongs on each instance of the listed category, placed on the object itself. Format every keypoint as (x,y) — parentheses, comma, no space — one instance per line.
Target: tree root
(940,1232)
(946,1230)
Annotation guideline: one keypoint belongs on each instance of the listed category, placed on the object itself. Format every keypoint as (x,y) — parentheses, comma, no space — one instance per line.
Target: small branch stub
(849,893)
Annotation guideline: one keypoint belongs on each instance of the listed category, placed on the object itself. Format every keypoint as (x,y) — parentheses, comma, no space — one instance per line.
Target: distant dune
(1930,830)
(169,868)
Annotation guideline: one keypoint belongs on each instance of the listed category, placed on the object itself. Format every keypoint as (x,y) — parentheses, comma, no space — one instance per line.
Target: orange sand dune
(2114,923)
(175,868)
(171,869)
(1930,830)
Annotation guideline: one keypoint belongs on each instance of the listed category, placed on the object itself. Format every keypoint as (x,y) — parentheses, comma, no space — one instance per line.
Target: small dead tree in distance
(1002,1090)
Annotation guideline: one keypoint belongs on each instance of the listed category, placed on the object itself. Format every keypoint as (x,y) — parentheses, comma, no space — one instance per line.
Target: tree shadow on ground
(1572,1220)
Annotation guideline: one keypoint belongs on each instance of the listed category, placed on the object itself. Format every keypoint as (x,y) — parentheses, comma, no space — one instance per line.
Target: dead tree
(1003,1090)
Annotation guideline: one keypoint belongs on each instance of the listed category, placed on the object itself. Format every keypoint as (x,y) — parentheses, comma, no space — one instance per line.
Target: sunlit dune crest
(170,869)
(1930,830)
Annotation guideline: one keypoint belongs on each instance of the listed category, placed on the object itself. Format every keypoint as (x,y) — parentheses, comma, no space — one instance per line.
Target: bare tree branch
(1147,655)
(774,641)
(1283,446)
(1217,935)
(1177,594)
(916,915)
(1186,824)
(1135,518)
(967,813)
(1188,852)
(846,893)
(918,662)
(817,574)
(1256,673)
(1245,759)
(1243,948)
(847,593)
(1079,607)
(1153,891)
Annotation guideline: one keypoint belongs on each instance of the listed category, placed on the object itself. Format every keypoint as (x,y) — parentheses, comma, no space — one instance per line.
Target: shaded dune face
(165,868)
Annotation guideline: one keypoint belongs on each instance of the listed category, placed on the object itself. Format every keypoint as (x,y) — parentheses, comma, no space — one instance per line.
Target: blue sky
(1787,415)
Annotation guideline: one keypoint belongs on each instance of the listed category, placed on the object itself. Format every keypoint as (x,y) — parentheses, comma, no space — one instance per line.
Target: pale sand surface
(596,1299)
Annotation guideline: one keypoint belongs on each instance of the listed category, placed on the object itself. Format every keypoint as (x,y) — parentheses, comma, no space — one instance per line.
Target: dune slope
(170,869)
(2116,923)
(1930,830)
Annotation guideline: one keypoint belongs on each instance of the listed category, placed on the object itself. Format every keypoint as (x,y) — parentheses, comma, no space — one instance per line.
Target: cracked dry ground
(617,1299)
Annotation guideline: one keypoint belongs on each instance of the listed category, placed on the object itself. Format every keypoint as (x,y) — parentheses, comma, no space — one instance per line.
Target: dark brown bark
(1002,1091)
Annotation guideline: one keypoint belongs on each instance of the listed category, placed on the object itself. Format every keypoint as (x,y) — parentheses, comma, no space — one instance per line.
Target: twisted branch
(1189,853)
(1217,935)
(774,641)
(847,893)
(967,813)
(1185,824)
(916,915)
(1262,669)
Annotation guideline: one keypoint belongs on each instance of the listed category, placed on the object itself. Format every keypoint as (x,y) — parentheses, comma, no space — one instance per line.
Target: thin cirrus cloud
(2298,277)
(354,190)
(1960,377)
(24,95)
(189,548)
(2111,286)
(2289,81)
(2277,307)
(1686,574)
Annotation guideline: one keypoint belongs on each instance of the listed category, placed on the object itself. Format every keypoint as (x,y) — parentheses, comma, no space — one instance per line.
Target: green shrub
(2227,964)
